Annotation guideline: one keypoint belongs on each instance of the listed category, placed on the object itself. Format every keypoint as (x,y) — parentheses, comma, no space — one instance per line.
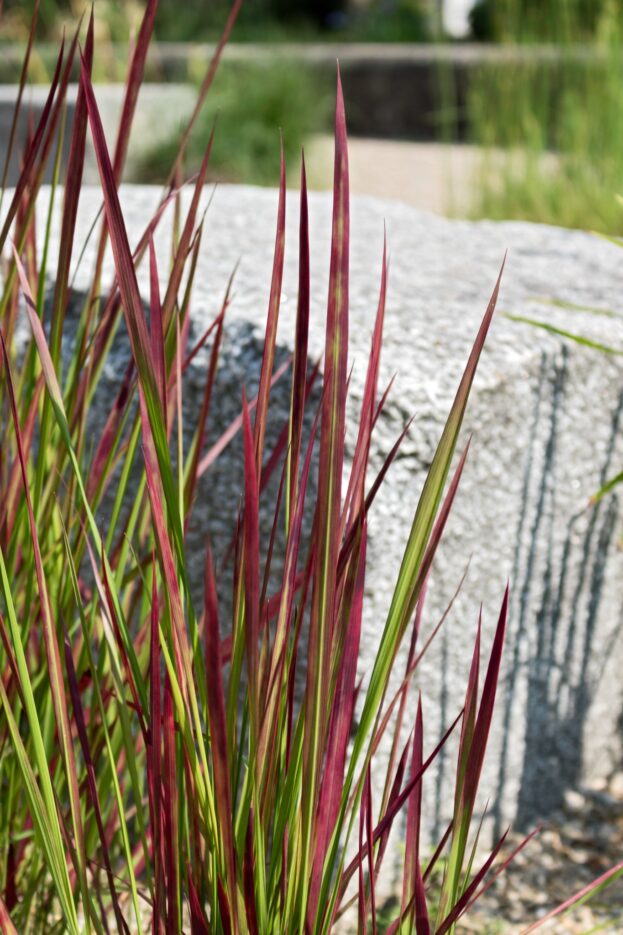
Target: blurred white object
(456,17)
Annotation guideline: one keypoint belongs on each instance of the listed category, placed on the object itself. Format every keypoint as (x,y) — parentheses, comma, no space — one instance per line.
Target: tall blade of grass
(329,502)
(343,709)
(198,922)
(128,109)
(203,91)
(31,153)
(171,827)
(18,100)
(159,912)
(367,798)
(299,365)
(75,165)
(197,444)
(416,560)
(218,730)
(409,578)
(251,569)
(381,722)
(133,86)
(397,803)
(413,886)
(471,757)
(248,883)
(156,328)
(273,714)
(183,246)
(135,319)
(272,319)
(460,906)
(353,502)
(362,925)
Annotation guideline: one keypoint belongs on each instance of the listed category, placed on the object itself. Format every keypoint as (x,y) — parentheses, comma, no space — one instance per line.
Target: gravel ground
(583,841)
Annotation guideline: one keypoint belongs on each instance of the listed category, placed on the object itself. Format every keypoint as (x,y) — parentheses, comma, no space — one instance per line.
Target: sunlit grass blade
(565,333)
(459,907)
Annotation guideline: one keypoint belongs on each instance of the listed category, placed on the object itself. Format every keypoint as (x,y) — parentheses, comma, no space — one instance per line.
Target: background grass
(560,118)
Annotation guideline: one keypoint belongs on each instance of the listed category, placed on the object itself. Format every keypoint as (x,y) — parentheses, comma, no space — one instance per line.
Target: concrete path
(434,177)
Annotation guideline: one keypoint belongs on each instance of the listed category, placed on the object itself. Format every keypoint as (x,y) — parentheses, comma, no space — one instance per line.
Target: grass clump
(553,142)
(551,124)
(168,763)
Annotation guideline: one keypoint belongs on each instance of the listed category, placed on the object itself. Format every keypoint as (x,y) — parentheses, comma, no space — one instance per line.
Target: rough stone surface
(546,417)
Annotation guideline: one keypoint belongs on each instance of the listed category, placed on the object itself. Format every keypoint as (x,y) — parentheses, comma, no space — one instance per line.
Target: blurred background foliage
(549,127)
(259,20)
(247,106)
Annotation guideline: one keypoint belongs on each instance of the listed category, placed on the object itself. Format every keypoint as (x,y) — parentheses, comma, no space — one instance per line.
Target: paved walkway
(431,176)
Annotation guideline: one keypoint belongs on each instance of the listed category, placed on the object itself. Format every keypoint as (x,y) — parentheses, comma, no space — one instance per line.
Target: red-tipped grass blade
(5,920)
(20,94)
(75,165)
(206,84)
(218,727)
(170,803)
(272,320)
(331,461)
(343,709)
(198,923)
(155,753)
(251,566)
(28,166)
(299,365)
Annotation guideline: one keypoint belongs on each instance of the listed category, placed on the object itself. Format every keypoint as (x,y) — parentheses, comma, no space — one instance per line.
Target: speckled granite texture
(546,417)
